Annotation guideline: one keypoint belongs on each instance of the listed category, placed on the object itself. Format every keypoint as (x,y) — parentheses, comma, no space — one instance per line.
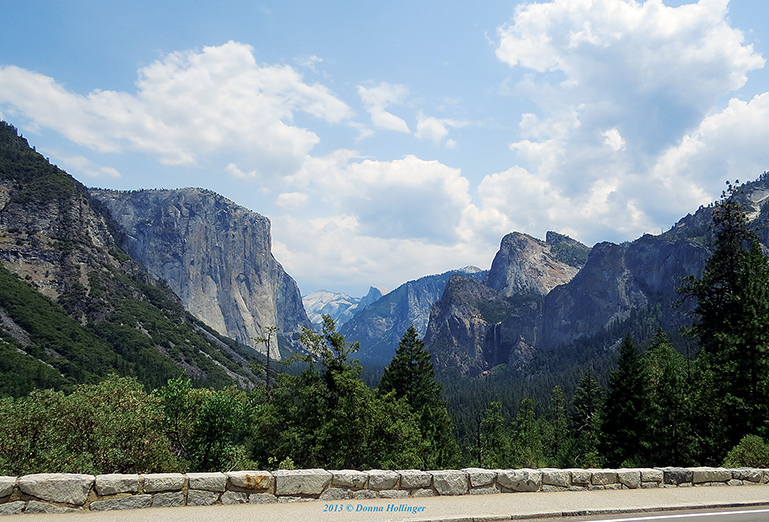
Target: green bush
(110,427)
(752,452)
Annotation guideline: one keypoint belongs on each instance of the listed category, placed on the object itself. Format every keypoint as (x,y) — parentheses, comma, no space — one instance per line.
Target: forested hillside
(74,307)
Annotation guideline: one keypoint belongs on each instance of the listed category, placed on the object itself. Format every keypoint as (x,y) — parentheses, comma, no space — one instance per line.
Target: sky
(391,140)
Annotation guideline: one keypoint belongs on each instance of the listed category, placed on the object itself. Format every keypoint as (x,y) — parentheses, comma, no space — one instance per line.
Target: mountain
(341,307)
(379,326)
(215,255)
(477,325)
(74,306)
(532,305)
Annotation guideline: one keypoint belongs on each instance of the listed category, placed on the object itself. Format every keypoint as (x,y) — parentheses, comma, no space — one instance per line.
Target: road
(748,514)
(597,505)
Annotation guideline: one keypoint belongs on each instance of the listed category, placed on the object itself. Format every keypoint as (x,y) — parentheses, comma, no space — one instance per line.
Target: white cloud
(436,129)
(377,98)
(408,198)
(292,200)
(624,91)
(81,165)
(233,170)
(188,104)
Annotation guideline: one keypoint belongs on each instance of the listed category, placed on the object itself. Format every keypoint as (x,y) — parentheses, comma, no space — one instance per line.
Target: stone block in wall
(421,493)
(629,477)
(252,480)
(520,479)
(262,498)
(415,479)
(652,475)
(603,477)
(132,502)
(735,482)
(707,474)
(393,493)
(35,507)
(201,497)
(157,482)
(747,474)
(335,494)
(579,476)
(677,476)
(115,483)
(13,508)
(556,477)
(349,478)
(58,487)
(230,498)
(480,477)
(364,494)
(6,486)
(310,482)
(450,482)
(168,499)
(207,481)
(379,479)
(485,490)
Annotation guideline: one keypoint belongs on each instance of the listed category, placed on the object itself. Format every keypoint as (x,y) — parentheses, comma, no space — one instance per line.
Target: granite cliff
(74,306)
(379,326)
(215,255)
(477,325)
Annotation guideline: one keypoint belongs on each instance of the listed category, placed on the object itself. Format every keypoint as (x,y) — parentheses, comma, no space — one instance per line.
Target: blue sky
(387,141)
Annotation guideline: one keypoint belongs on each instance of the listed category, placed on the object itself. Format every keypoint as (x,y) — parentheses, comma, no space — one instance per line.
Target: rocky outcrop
(214,254)
(618,279)
(103,312)
(474,328)
(526,265)
(380,325)
(478,325)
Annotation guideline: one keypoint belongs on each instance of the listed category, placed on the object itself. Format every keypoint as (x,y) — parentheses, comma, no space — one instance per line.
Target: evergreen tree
(587,423)
(670,429)
(527,441)
(626,428)
(555,431)
(495,440)
(732,323)
(411,375)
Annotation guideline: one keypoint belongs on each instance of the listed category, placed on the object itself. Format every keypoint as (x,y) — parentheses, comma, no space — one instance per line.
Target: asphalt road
(596,505)
(748,514)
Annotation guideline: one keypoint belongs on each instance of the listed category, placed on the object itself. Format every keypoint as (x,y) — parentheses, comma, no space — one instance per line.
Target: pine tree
(732,323)
(411,375)
(626,428)
(587,422)
(670,440)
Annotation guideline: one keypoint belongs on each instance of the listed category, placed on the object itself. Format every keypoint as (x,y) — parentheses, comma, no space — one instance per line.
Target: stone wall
(61,492)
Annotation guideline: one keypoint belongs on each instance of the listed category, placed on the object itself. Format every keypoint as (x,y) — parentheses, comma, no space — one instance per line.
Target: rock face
(380,325)
(616,280)
(214,254)
(525,265)
(478,325)
(103,312)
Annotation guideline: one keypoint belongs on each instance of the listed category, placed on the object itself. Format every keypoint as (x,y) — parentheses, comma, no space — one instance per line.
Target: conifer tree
(587,422)
(411,375)
(670,435)
(626,427)
(732,324)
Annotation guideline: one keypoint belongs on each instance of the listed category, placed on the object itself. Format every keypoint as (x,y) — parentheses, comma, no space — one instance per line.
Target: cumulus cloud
(436,129)
(292,200)
(187,104)
(409,198)
(624,90)
(377,98)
